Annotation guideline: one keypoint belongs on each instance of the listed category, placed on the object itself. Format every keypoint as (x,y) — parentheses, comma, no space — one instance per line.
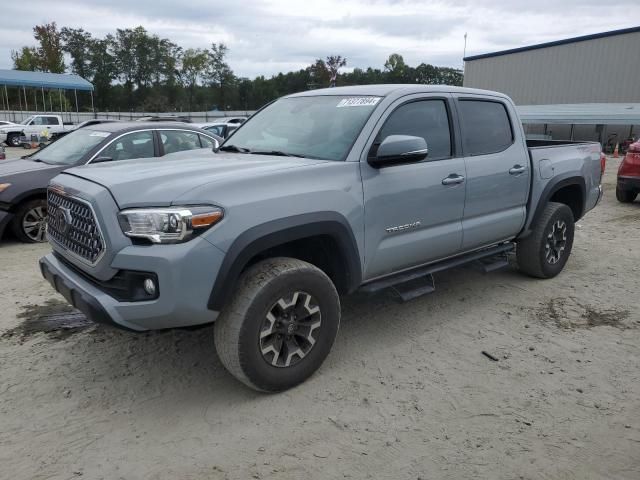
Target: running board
(419,281)
(492,264)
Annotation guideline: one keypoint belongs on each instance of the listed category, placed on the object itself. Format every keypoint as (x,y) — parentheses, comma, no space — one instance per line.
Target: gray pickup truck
(319,194)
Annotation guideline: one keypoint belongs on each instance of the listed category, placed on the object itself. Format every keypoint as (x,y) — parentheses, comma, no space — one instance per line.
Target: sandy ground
(405,394)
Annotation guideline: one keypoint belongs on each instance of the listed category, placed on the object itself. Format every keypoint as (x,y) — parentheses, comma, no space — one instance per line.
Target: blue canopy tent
(59,81)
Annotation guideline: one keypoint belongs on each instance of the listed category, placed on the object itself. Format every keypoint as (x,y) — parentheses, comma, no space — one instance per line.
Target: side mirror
(399,149)
(101,159)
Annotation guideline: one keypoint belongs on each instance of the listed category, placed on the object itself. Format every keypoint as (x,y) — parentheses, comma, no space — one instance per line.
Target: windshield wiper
(277,153)
(234,148)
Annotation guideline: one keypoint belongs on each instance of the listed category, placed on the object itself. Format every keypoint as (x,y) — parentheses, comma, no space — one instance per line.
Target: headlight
(168,225)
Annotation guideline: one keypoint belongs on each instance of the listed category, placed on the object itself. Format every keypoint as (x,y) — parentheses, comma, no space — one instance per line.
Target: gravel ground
(406,392)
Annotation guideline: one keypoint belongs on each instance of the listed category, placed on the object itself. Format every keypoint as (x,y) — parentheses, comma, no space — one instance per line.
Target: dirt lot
(405,394)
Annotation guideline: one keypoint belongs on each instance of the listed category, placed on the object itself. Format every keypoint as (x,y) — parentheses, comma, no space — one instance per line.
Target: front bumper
(186,274)
(629,183)
(5,218)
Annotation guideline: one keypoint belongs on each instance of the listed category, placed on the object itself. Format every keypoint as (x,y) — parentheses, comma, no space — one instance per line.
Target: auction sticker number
(358,102)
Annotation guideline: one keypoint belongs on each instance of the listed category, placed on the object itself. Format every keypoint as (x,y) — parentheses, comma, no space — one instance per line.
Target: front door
(413,211)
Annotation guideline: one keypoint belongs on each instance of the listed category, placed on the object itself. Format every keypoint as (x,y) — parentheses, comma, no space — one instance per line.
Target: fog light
(149,286)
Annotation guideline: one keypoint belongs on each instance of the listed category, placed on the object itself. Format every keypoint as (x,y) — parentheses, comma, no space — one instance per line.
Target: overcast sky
(269,36)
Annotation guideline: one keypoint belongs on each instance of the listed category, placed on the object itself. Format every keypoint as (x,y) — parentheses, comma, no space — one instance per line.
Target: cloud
(269,36)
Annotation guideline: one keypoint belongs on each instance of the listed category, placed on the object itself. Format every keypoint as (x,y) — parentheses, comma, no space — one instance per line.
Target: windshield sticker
(100,134)
(358,102)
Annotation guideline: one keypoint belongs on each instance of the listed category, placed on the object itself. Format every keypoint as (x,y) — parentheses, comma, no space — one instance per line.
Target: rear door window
(485,127)
(52,121)
(130,146)
(179,140)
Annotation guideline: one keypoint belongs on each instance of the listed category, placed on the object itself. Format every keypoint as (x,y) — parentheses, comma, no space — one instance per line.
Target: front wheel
(280,324)
(30,221)
(544,253)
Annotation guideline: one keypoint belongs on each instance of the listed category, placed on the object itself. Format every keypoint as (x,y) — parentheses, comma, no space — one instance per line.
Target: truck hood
(11,167)
(159,181)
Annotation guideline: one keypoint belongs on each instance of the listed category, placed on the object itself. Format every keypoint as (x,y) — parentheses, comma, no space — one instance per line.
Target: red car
(628,185)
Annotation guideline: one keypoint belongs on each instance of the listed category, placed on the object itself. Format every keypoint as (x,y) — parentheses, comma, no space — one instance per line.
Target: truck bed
(554,161)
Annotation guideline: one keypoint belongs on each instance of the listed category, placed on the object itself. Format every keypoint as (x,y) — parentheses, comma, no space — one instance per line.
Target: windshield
(323,127)
(26,120)
(70,149)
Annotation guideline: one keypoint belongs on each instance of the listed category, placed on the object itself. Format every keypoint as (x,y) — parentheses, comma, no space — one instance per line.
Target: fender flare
(278,232)
(549,190)
(17,200)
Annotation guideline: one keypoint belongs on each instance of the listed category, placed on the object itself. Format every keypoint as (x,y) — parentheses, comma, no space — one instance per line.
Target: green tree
(193,68)
(334,64)
(77,43)
(26,59)
(218,72)
(104,66)
(49,50)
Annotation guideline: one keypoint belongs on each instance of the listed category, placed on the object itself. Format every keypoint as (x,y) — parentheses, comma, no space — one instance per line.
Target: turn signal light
(205,219)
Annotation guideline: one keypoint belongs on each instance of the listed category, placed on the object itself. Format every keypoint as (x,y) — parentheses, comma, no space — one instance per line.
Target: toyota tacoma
(319,194)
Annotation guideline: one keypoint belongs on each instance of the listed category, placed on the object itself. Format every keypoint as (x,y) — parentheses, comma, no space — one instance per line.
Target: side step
(414,288)
(492,264)
(419,281)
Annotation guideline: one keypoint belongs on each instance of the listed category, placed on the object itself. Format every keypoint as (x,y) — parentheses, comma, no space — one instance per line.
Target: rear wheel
(279,326)
(544,253)
(625,196)
(13,140)
(30,221)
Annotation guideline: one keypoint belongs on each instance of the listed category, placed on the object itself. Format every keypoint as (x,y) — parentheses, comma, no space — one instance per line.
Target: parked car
(96,121)
(42,125)
(23,182)
(4,123)
(628,184)
(319,194)
(233,120)
(164,118)
(221,129)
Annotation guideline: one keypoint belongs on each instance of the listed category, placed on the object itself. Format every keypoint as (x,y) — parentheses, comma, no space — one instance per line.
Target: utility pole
(464,51)
(464,54)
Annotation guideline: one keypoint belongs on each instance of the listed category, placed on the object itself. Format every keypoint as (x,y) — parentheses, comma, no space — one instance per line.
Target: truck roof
(384,90)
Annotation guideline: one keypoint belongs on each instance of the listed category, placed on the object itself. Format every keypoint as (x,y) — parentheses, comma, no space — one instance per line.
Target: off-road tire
(238,329)
(625,196)
(21,211)
(531,252)
(13,140)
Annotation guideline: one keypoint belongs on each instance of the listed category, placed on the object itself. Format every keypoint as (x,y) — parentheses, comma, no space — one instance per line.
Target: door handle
(517,170)
(453,179)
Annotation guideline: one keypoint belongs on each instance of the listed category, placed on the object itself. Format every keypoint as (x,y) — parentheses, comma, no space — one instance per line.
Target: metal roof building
(20,78)
(600,68)
(565,88)
(37,82)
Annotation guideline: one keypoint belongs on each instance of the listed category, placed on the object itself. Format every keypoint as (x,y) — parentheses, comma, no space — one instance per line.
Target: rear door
(497,165)
(413,211)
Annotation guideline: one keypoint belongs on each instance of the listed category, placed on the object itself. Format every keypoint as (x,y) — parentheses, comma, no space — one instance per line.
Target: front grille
(72,225)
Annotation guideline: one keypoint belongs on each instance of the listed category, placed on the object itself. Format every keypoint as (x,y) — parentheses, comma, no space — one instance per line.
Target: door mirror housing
(399,149)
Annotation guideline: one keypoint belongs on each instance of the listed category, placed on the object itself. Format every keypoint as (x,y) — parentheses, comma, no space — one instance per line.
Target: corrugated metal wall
(603,70)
